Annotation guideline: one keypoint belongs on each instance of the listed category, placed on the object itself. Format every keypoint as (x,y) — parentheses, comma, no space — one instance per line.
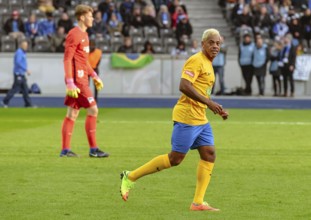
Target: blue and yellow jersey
(199,71)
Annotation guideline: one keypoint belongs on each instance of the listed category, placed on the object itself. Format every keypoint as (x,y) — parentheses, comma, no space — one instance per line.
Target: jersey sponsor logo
(86,49)
(91,99)
(80,73)
(189,73)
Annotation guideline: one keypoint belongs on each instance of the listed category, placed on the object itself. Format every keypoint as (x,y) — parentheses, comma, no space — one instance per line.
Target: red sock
(67,129)
(90,129)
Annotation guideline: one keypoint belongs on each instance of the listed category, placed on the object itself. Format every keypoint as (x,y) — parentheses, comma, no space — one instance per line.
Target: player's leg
(67,130)
(90,129)
(181,142)
(206,149)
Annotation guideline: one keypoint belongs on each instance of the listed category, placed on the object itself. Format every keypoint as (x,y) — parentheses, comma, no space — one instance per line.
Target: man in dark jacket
(287,64)
(14,26)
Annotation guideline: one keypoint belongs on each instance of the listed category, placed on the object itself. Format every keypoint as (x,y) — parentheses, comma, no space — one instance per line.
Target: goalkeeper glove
(71,89)
(97,81)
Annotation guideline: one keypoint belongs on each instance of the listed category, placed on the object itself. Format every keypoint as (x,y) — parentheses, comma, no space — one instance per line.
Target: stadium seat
(169,43)
(4,4)
(8,44)
(158,49)
(105,48)
(29,5)
(15,5)
(136,32)
(155,41)
(167,33)
(116,42)
(5,15)
(150,31)
(42,44)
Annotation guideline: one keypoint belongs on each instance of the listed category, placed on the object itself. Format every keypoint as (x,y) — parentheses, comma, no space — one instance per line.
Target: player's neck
(82,26)
(208,56)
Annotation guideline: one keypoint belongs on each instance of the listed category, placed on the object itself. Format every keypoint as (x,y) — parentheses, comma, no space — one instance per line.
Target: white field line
(170,122)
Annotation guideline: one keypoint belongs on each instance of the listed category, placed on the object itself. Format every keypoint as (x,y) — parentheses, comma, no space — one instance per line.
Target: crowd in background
(269,32)
(114,23)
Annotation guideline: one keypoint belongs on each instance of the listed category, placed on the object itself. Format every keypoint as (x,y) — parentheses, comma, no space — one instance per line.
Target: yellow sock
(156,164)
(204,173)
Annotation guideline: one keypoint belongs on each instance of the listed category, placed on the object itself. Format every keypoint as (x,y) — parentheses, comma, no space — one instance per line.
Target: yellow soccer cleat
(126,185)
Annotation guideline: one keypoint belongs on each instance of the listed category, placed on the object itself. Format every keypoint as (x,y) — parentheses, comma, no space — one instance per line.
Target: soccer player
(78,92)
(191,127)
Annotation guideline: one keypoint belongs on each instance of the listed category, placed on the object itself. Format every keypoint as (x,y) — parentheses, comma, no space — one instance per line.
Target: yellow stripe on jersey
(199,71)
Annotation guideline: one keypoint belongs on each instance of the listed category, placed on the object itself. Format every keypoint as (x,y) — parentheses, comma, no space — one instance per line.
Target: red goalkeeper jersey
(76,57)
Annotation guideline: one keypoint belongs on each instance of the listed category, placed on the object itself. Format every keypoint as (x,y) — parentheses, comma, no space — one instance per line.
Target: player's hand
(71,89)
(214,107)
(98,83)
(224,114)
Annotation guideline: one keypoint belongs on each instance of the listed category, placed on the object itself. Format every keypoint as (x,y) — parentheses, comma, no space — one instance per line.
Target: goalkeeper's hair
(209,32)
(82,10)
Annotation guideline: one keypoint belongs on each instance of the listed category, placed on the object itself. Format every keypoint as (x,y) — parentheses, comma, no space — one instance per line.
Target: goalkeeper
(78,92)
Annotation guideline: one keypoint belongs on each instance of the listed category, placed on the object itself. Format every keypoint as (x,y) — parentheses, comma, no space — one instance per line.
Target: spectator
(180,50)
(262,22)
(219,63)
(260,60)
(275,53)
(245,58)
(287,65)
(46,6)
(306,26)
(174,5)
(127,46)
(14,26)
(99,28)
(62,5)
(114,26)
(148,48)
(47,27)
(245,18)
(103,6)
(94,60)
(58,40)
(280,29)
(285,7)
(176,16)
(140,3)
(183,29)
(164,18)
(158,4)
(31,27)
(65,22)
(195,48)
(126,9)
(148,17)
(295,29)
(136,20)
(20,71)
(112,9)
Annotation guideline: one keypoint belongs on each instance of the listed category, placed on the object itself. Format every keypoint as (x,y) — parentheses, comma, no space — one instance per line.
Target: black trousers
(247,73)
(20,84)
(288,77)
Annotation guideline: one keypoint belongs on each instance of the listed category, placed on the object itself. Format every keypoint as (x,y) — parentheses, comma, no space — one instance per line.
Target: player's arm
(70,47)
(186,87)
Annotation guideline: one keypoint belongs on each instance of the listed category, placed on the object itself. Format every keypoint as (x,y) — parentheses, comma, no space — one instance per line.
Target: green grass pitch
(262,168)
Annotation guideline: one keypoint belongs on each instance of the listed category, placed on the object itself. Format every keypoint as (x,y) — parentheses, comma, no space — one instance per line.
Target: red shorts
(85,99)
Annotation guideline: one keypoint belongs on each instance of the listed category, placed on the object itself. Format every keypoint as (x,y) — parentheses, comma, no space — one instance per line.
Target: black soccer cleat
(68,153)
(98,153)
